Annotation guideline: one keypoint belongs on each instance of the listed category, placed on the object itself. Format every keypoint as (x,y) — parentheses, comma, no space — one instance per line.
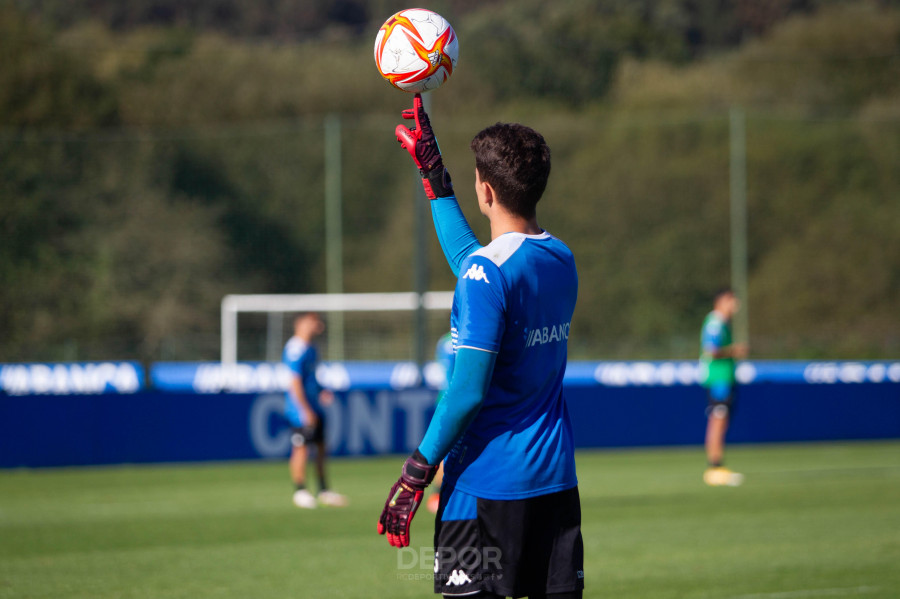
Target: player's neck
(507,223)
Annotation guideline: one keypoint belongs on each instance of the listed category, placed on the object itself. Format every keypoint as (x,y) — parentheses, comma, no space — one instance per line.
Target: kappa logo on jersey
(458,578)
(476,273)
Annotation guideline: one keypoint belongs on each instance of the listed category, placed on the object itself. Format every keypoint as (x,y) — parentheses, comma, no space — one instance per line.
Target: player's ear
(489,195)
(483,189)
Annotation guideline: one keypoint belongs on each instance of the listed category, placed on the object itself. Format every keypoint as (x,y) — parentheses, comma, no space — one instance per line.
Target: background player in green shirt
(717,356)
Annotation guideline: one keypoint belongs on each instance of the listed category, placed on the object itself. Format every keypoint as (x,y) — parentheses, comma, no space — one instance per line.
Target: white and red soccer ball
(416,50)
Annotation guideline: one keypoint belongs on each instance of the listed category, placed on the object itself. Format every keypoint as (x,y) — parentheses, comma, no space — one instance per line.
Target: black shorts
(512,548)
(305,435)
(721,401)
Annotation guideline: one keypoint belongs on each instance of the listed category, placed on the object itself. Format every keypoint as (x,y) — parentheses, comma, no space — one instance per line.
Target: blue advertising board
(207,411)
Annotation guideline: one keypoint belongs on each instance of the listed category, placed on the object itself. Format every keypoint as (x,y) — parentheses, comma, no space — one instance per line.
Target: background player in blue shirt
(509,520)
(304,401)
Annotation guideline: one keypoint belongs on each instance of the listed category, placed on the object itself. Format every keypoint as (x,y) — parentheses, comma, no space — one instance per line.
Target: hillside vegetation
(156,158)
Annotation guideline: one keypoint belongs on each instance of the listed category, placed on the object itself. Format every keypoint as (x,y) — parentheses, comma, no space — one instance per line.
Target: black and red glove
(404,499)
(419,141)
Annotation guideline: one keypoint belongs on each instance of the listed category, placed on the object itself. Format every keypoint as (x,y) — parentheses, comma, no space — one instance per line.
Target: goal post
(334,305)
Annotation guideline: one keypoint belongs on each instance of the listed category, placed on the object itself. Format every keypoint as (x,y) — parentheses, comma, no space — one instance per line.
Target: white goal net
(359,326)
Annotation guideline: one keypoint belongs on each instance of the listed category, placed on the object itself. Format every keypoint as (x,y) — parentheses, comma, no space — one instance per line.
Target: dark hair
(305,315)
(515,160)
(722,291)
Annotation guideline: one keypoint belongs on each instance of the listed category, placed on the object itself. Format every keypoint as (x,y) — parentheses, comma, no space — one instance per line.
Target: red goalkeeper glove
(419,141)
(404,499)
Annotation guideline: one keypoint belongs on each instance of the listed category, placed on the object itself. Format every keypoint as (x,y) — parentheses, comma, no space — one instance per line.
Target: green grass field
(817,520)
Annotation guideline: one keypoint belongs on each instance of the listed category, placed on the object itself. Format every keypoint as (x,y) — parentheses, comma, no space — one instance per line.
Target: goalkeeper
(509,518)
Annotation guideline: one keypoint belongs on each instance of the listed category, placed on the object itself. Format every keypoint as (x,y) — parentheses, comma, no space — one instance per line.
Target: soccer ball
(416,50)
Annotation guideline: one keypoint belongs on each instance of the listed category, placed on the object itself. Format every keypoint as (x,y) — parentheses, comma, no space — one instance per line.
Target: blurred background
(157,155)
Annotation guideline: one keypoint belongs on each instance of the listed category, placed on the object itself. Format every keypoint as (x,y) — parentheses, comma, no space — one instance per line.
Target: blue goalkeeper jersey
(302,359)
(515,297)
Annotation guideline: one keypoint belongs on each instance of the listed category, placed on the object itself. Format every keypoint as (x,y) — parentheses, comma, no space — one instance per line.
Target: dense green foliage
(157,155)
(810,521)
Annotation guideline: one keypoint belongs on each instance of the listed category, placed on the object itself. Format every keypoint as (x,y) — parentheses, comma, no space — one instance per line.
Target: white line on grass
(809,593)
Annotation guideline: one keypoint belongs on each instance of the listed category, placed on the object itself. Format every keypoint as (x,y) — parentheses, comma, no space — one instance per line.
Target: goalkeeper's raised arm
(453,231)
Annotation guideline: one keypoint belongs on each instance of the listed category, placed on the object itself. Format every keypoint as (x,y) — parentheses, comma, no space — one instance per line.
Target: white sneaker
(332,499)
(304,499)
(735,480)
